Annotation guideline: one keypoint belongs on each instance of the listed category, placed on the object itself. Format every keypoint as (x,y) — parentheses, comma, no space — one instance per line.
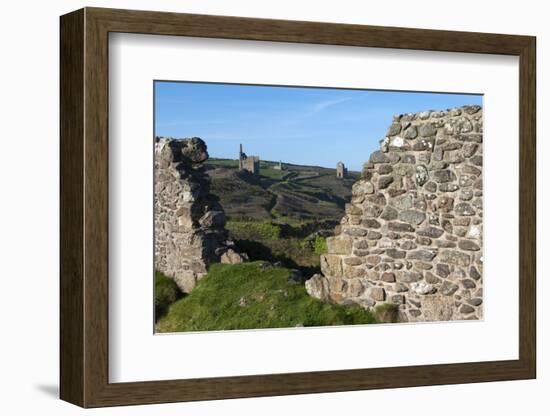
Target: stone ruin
(341,170)
(248,163)
(190,229)
(412,233)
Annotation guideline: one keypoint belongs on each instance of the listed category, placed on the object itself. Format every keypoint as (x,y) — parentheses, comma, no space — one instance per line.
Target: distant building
(279,166)
(341,171)
(249,163)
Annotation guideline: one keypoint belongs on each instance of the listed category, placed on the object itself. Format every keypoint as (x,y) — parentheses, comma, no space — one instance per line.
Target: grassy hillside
(251,295)
(281,215)
(306,193)
(240,194)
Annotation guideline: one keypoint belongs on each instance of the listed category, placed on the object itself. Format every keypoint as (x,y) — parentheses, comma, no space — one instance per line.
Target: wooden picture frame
(84,207)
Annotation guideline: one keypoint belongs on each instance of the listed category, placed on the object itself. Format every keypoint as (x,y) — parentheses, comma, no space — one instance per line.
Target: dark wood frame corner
(84,207)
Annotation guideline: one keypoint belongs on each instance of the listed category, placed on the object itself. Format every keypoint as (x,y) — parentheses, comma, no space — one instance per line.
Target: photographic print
(290,207)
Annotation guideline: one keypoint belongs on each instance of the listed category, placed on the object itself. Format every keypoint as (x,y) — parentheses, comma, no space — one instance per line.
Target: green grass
(223,163)
(248,296)
(272,173)
(166,293)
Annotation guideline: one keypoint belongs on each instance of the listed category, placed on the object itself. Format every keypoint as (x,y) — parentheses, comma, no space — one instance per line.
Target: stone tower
(248,163)
(341,170)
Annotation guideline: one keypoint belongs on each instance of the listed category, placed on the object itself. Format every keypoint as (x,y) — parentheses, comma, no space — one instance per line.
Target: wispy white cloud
(322,105)
(311,110)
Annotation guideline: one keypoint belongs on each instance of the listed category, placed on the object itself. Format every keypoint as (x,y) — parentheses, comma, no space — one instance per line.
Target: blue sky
(310,126)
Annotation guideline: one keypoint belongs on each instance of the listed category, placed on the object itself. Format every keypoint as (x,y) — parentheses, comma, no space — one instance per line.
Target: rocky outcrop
(412,233)
(189,221)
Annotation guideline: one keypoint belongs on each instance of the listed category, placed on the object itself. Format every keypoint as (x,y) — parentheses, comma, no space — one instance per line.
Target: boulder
(317,287)
(230,256)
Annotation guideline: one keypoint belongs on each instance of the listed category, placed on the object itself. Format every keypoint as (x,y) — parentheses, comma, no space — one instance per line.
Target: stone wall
(189,221)
(412,233)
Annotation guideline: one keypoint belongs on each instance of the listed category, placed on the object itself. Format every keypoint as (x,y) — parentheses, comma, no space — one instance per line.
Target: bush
(320,245)
(386,313)
(166,293)
(254,230)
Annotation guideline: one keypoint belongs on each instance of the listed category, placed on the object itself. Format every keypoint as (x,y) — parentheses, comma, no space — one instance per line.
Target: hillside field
(281,215)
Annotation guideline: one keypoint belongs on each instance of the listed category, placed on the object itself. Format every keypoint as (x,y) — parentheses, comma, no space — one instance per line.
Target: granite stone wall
(189,221)
(412,233)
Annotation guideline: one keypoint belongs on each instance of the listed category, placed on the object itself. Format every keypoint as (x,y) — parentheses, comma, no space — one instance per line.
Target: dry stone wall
(412,233)
(189,221)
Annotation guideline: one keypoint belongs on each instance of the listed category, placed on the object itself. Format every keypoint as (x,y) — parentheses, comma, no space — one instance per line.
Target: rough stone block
(353,261)
(400,227)
(438,308)
(442,270)
(448,288)
(412,217)
(432,232)
(396,254)
(389,214)
(355,231)
(370,223)
(385,181)
(464,209)
(331,265)
(340,245)
(410,277)
(377,293)
(336,285)
(424,255)
(355,288)
(455,257)
(387,277)
(445,175)
(468,245)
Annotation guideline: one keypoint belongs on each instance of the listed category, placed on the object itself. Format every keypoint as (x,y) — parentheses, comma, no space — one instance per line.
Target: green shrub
(320,245)
(250,295)
(386,313)
(166,293)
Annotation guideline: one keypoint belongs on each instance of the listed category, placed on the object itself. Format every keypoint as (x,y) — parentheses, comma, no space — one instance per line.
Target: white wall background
(29,85)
